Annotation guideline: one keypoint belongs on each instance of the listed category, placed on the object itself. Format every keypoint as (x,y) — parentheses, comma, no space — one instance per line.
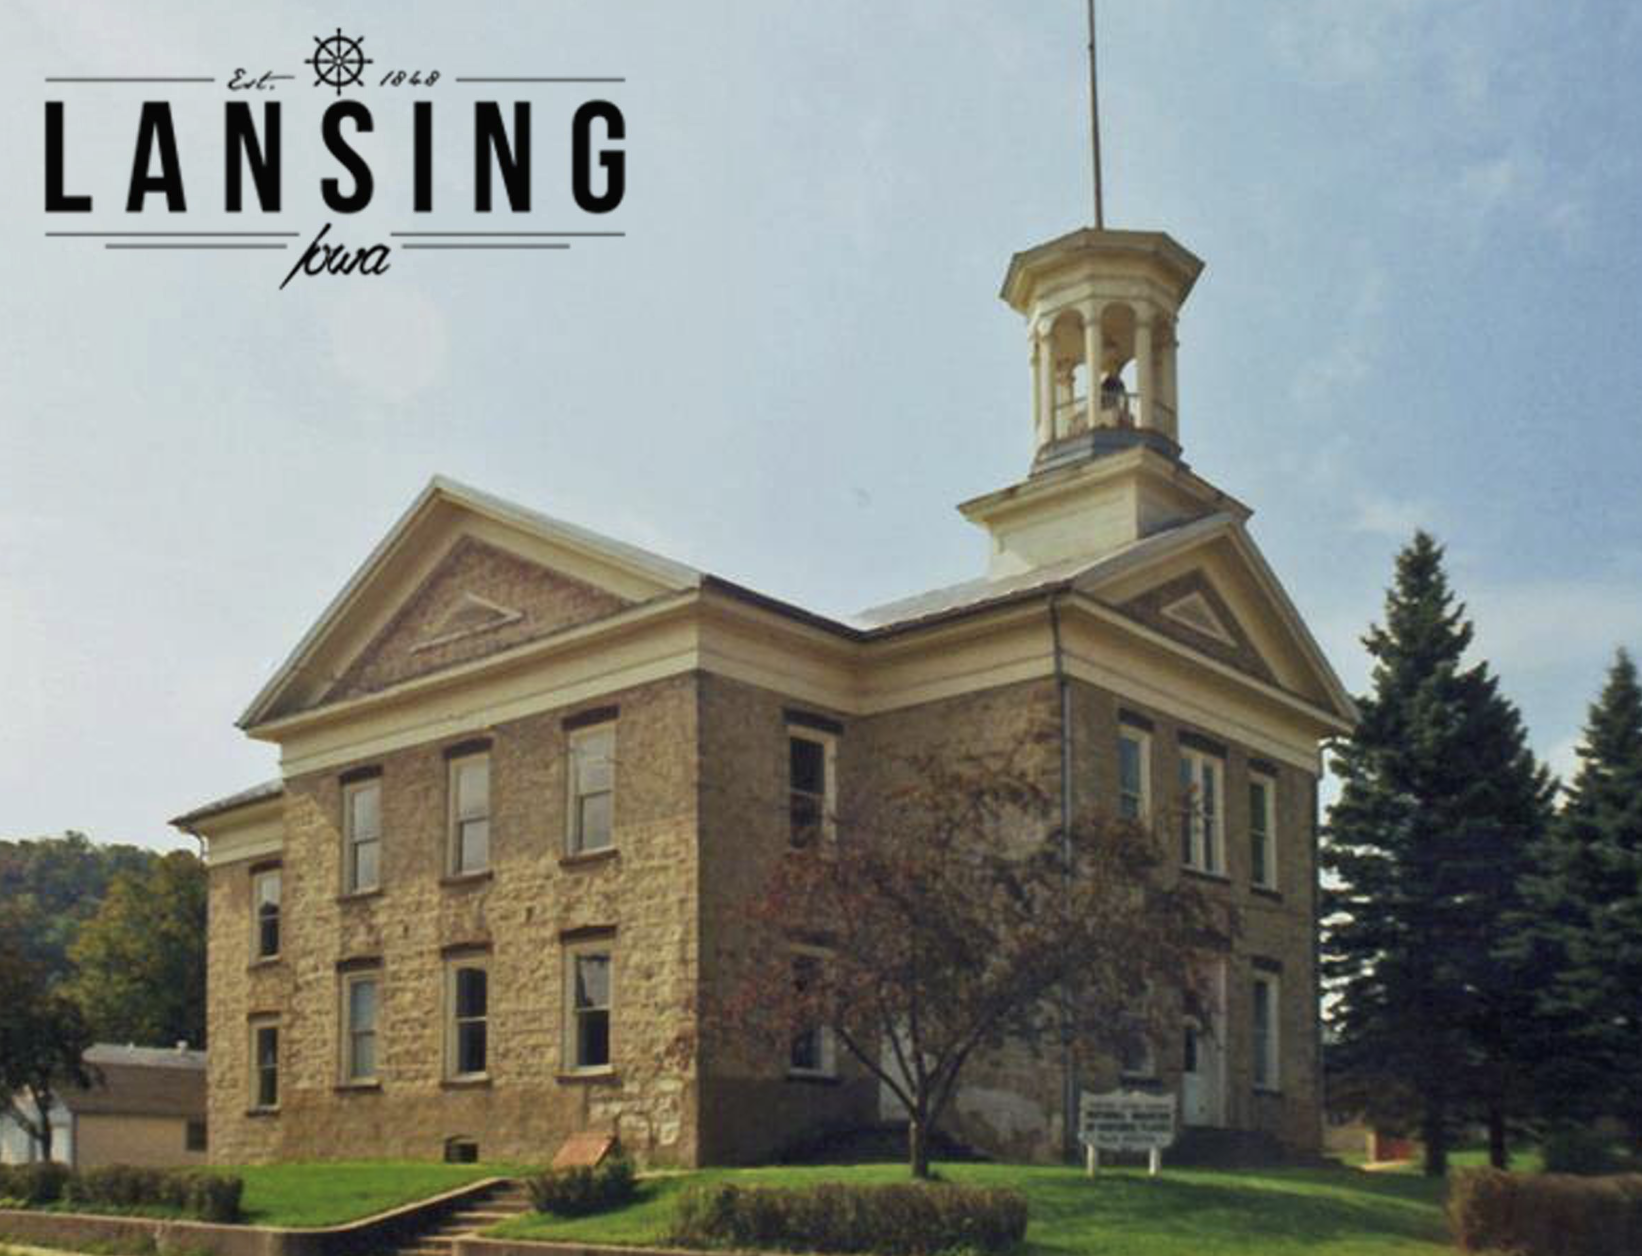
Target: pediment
(462,575)
(1192,611)
(1206,586)
(478,600)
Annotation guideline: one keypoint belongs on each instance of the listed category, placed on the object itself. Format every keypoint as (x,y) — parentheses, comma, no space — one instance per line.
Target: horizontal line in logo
(511,235)
(186,235)
(196,246)
(484,246)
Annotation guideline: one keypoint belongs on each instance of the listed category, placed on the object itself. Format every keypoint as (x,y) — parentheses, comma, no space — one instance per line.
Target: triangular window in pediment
(1195,613)
(471,614)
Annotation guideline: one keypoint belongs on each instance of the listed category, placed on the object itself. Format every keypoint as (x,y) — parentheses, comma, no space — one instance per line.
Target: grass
(1185,1212)
(333,1192)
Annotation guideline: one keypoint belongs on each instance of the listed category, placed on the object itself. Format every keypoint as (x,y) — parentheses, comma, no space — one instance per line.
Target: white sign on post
(1127,1120)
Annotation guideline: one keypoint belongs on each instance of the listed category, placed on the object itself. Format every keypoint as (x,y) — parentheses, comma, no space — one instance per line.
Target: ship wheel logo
(338,61)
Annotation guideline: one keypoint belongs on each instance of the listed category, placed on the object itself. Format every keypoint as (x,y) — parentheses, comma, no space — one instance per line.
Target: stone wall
(750,1106)
(645,891)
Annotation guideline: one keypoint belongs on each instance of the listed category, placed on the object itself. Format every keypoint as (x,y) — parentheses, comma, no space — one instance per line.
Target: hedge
(900,1219)
(579,1191)
(1547,1214)
(189,1193)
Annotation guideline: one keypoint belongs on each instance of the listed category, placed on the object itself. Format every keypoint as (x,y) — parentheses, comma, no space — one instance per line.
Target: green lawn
(333,1192)
(1185,1212)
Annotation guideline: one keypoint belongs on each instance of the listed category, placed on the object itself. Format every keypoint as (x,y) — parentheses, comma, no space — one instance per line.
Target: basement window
(461,1151)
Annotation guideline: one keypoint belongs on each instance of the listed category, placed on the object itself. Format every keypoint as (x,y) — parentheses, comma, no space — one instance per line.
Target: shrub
(900,1219)
(1579,1149)
(580,1191)
(33,1184)
(190,1193)
(1550,1214)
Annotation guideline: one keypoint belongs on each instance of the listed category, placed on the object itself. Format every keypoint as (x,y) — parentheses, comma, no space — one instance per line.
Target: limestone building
(530,774)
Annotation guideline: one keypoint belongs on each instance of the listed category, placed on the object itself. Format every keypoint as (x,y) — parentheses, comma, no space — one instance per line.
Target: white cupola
(1101,308)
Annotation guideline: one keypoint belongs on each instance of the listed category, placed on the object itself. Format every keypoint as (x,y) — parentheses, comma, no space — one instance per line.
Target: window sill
(261,1113)
(458,880)
(805,1078)
(266,961)
(477,1081)
(1217,878)
(590,1077)
(588,857)
(1266,891)
(359,896)
(359,1088)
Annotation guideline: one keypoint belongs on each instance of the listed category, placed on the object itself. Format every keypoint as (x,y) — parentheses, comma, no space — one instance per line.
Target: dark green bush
(33,1184)
(1549,1214)
(1581,1150)
(125,1188)
(899,1219)
(578,1192)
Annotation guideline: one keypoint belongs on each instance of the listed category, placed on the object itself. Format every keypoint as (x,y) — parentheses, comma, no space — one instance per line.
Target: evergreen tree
(1441,813)
(1588,907)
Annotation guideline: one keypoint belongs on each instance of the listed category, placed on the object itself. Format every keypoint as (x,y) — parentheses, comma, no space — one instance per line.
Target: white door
(1203,1062)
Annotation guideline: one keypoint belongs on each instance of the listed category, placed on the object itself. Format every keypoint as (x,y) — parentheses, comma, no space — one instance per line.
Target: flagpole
(1094,121)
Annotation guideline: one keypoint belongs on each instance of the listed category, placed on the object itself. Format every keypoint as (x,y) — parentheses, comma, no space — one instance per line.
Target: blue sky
(1420,308)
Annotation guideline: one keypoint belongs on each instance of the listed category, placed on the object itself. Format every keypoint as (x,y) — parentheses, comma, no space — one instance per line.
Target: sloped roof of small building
(140,1081)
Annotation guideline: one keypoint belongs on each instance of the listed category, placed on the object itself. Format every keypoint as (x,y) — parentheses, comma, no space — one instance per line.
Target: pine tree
(1441,812)
(1588,905)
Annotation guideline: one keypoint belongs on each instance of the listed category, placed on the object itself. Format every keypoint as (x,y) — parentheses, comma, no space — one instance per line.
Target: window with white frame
(360,1012)
(1134,773)
(592,788)
(264,1065)
(813,1052)
(1201,777)
(265,894)
(362,835)
(1263,830)
(467,1000)
(1266,1005)
(470,813)
(587,1007)
(812,791)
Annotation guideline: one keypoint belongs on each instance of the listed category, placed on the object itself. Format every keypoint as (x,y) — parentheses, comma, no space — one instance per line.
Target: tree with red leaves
(959,912)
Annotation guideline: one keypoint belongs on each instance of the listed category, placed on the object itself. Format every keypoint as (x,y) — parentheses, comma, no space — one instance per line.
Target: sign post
(1126,1120)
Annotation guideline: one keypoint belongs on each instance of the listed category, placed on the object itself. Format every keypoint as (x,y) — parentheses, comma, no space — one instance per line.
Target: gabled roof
(233,802)
(1093,576)
(634,564)
(140,1081)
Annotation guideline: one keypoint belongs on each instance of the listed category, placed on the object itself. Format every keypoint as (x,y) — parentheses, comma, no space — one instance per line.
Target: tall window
(265,887)
(1134,753)
(359,1011)
(470,813)
(588,1031)
(1265,990)
(264,1065)
(1200,781)
(1263,831)
(811,790)
(592,788)
(362,829)
(812,1052)
(469,1002)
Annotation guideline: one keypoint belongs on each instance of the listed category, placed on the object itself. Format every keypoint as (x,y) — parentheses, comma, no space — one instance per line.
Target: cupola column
(1145,370)
(1169,385)
(1043,374)
(1093,361)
